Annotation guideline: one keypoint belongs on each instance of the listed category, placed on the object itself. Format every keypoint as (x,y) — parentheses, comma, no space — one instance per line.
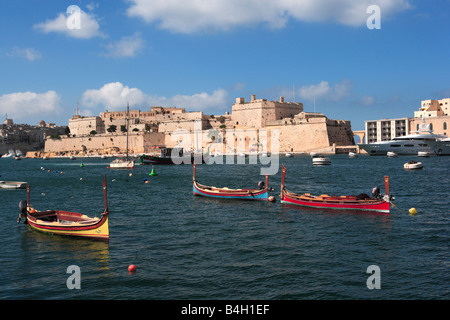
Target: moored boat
(13,184)
(320,160)
(127,162)
(173,156)
(226,193)
(361,202)
(442,147)
(66,223)
(411,144)
(122,163)
(391,154)
(413,165)
(423,154)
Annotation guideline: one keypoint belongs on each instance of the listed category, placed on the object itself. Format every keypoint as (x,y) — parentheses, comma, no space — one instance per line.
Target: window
(431,126)
(445,125)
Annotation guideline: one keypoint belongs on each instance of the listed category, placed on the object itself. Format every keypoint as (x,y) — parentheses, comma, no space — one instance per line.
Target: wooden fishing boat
(225,193)
(361,202)
(66,223)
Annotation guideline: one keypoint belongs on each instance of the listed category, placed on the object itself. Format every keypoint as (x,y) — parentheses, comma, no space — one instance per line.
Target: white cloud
(116,96)
(182,16)
(30,54)
(324,90)
(128,46)
(367,100)
(22,104)
(88,26)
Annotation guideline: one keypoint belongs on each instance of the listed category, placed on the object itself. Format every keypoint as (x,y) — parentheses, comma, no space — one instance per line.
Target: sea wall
(105,143)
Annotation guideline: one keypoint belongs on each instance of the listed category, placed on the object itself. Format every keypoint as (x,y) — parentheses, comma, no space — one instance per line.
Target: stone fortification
(299,131)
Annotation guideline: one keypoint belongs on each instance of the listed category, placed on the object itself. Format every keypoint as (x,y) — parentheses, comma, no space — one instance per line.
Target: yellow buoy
(412,211)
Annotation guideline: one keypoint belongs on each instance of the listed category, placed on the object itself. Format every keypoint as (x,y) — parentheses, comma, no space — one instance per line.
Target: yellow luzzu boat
(66,223)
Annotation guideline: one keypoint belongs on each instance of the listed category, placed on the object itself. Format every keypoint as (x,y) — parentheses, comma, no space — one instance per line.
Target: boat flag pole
(386,184)
(105,195)
(283,171)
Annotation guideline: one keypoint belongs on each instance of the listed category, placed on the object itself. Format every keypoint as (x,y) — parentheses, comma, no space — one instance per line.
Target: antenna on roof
(314,104)
(293,92)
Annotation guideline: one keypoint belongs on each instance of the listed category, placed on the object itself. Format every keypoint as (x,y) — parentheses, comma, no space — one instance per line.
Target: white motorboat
(413,165)
(423,154)
(391,154)
(321,160)
(352,155)
(442,147)
(13,184)
(10,154)
(406,145)
(288,155)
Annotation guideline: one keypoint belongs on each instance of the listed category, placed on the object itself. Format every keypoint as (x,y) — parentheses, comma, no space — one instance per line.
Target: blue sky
(201,55)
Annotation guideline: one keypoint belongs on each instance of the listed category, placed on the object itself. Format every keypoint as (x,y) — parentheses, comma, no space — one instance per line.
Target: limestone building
(257,112)
(298,131)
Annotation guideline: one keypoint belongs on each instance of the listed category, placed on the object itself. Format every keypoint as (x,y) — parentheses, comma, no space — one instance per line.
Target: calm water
(188,247)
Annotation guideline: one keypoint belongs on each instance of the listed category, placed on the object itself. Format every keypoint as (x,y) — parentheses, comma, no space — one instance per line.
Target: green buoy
(153,173)
(81,165)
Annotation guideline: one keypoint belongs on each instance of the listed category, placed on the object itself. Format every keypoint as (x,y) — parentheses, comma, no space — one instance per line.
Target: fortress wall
(340,132)
(137,143)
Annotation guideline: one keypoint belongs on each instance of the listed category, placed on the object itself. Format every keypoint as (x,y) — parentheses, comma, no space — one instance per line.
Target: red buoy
(131,268)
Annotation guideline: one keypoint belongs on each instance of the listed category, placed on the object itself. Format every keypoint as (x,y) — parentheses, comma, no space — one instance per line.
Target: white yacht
(411,144)
(441,147)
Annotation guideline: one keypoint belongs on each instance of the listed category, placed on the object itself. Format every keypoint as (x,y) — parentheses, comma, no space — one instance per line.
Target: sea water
(190,247)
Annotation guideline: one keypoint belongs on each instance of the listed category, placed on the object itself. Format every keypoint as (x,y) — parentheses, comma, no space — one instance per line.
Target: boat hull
(145,159)
(361,202)
(381,149)
(69,224)
(379,206)
(122,164)
(150,160)
(13,185)
(227,193)
(441,148)
(413,166)
(223,193)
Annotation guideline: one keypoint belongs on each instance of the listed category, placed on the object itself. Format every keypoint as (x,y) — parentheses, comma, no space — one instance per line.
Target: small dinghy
(413,165)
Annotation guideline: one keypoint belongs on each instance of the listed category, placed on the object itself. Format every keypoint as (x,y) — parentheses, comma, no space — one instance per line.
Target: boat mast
(128,111)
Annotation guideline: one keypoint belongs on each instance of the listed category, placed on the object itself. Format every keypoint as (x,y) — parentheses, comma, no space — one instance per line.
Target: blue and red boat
(226,193)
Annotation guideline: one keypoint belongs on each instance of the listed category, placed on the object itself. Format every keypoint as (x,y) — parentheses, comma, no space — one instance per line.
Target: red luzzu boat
(362,202)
